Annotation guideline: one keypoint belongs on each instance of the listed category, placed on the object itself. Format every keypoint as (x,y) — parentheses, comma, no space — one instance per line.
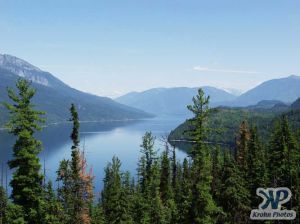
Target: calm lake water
(101,141)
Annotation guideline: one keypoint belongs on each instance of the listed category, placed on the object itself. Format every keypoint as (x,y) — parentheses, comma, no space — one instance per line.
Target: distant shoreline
(100,121)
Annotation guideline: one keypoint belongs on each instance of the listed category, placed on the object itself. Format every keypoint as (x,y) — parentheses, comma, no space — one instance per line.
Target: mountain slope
(296,104)
(284,89)
(171,100)
(55,97)
(225,122)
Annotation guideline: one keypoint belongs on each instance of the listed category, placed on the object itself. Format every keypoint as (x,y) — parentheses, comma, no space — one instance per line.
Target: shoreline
(95,121)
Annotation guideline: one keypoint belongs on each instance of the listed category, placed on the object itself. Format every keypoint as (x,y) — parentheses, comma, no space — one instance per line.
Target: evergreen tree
(235,195)
(64,178)
(77,202)
(242,148)
(3,205)
(157,210)
(126,199)
(165,177)
(174,169)
(141,206)
(198,124)
(149,156)
(97,216)
(15,214)
(257,174)
(216,174)
(86,189)
(27,181)
(283,163)
(115,206)
(184,200)
(76,192)
(53,210)
(203,206)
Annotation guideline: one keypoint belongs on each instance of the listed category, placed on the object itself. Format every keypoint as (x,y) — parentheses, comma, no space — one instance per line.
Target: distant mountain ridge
(171,100)
(285,89)
(281,92)
(55,97)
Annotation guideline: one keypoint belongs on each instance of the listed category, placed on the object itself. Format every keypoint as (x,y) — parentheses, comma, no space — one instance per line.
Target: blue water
(101,142)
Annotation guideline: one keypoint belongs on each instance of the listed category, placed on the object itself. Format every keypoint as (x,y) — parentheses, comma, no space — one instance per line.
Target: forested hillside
(224,122)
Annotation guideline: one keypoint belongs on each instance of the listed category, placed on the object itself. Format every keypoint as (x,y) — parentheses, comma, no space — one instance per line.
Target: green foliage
(26,182)
(217,165)
(3,205)
(116,194)
(235,195)
(97,215)
(224,123)
(75,194)
(257,170)
(242,147)
(284,155)
(203,206)
(15,214)
(211,187)
(52,208)
(148,158)
(165,177)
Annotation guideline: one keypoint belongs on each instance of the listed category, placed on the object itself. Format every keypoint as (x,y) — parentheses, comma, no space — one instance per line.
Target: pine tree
(283,163)
(235,195)
(76,192)
(141,214)
(97,216)
(257,173)
(199,130)
(184,200)
(149,156)
(165,177)
(203,206)
(77,202)
(174,169)
(3,205)
(86,189)
(242,147)
(64,178)
(15,214)
(157,211)
(53,210)
(126,199)
(27,181)
(115,208)
(216,174)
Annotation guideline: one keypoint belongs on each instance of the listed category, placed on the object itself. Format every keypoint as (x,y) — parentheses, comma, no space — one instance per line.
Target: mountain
(268,104)
(55,97)
(286,90)
(296,104)
(171,100)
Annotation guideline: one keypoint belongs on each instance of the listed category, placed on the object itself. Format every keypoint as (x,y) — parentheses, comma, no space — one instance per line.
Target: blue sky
(113,47)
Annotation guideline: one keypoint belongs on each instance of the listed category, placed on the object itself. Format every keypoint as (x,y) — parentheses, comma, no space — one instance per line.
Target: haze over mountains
(55,97)
(174,100)
(286,90)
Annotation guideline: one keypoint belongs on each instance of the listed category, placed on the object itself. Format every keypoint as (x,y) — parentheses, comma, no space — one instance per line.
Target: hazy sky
(113,47)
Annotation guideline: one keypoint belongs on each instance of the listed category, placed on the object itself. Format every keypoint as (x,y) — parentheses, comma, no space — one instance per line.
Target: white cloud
(205,69)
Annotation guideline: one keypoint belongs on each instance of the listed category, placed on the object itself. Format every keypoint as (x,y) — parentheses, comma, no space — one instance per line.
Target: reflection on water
(101,141)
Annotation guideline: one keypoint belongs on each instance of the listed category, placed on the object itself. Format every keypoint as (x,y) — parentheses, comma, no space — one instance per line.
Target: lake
(101,141)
